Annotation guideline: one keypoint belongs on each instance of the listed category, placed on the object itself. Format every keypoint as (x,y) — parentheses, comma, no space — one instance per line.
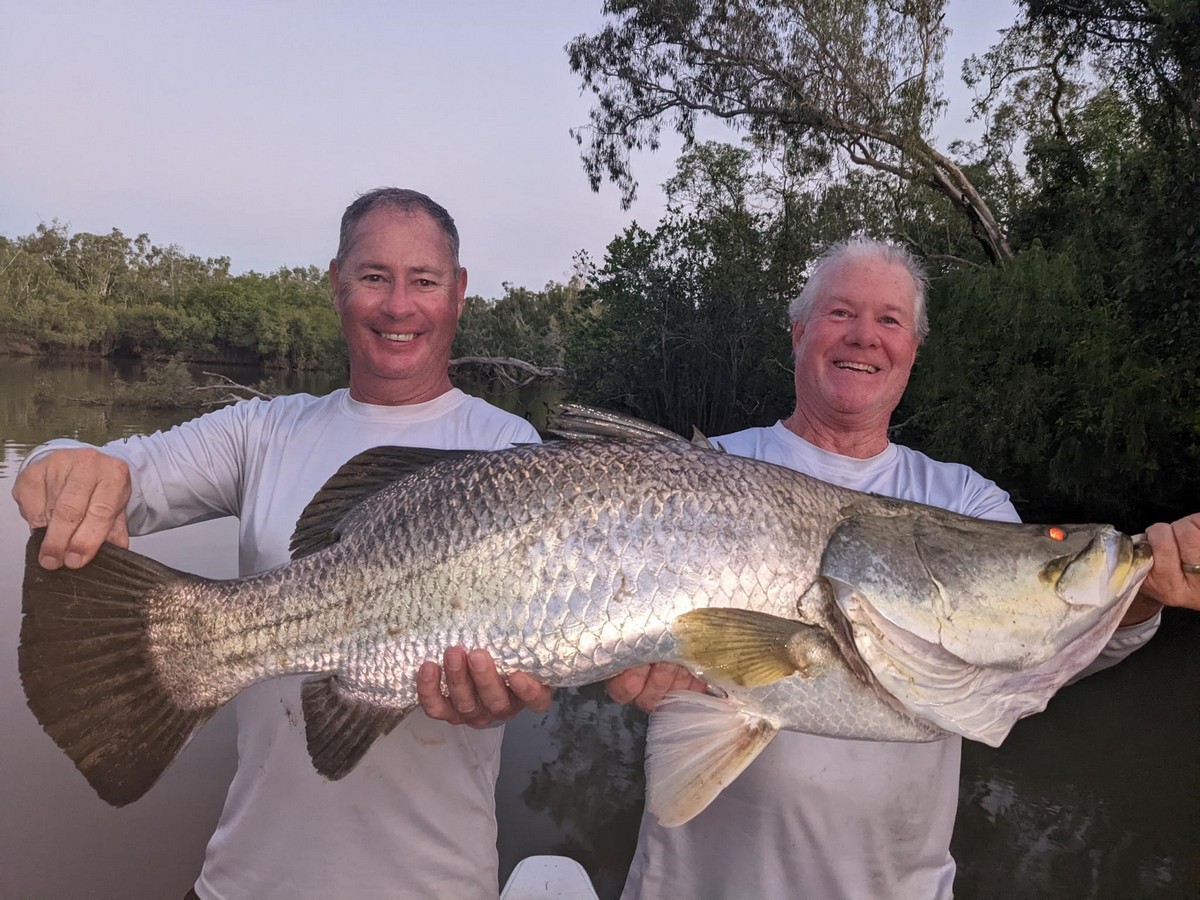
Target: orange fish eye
(1056,534)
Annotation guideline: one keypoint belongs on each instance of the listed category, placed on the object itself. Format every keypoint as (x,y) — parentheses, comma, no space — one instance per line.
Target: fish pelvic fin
(341,728)
(696,746)
(363,475)
(88,672)
(749,648)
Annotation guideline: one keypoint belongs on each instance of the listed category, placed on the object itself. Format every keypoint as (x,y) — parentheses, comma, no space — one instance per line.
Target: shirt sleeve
(985,499)
(191,472)
(173,480)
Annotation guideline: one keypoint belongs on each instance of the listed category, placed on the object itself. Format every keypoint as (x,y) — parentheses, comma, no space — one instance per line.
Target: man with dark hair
(417,817)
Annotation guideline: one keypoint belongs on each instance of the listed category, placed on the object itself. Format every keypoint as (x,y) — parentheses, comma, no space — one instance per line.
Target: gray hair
(855,248)
(401,200)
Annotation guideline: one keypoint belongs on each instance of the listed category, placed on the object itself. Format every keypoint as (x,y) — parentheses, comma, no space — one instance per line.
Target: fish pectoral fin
(696,746)
(341,728)
(750,648)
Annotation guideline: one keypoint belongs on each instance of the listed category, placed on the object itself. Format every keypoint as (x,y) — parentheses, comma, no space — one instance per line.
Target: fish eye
(1056,534)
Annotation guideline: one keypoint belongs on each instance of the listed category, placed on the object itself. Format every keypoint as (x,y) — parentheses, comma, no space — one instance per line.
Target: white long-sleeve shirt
(822,818)
(416,818)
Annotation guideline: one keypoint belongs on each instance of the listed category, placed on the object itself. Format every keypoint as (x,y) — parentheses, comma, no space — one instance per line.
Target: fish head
(974,623)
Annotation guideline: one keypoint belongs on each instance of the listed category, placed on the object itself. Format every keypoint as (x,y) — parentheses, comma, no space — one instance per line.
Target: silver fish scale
(568,561)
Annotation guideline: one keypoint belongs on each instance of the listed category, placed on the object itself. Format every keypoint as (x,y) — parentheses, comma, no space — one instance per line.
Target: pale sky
(243,129)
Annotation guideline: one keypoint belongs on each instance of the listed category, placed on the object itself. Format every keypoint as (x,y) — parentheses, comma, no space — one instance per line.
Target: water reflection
(584,777)
(1097,798)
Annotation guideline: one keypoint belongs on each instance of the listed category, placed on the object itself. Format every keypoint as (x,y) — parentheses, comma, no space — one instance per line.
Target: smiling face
(854,355)
(399,296)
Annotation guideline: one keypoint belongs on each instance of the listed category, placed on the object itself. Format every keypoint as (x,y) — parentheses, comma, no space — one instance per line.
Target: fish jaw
(1113,565)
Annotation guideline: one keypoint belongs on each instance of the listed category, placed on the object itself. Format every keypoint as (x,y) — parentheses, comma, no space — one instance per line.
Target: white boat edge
(548,878)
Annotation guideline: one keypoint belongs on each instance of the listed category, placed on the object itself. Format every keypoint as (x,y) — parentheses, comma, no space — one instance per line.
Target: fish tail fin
(88,673)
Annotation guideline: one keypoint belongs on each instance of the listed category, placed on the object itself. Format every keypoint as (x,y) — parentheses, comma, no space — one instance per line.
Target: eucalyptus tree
(835,82)
(1060,53)
(685,325)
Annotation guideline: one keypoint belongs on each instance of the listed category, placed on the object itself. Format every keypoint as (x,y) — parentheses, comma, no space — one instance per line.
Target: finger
(430,696)
(1186,534)
(105,508)
(686,681)
(29,493)
(624,687)
(490,687)
(79,495)
(1187,538)
(119,533)
(1167,582)
(459,685)
(532,693)
(659,683)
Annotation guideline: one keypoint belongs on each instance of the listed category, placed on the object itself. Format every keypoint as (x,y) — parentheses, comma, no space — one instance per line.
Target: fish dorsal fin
(749,648)
(363,475)
(582,423)
(699,440)
(341,728)
(696,745)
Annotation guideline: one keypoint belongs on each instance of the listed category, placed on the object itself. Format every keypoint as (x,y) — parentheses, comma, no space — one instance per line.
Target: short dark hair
(402,200)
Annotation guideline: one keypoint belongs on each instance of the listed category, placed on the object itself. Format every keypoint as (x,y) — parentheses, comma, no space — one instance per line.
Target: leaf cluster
(685,325)
(114,295)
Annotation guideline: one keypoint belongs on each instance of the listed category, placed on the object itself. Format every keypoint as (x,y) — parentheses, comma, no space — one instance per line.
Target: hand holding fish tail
(1175,545)
(78,495)
(646,685)
(476,694)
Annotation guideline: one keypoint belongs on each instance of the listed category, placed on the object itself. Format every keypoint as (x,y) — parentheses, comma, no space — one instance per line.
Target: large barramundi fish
(806,607)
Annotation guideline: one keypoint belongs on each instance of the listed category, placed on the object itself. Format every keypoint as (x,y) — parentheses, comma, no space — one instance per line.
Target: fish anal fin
(340,727)
(363,475)
(749,648)
(696,746)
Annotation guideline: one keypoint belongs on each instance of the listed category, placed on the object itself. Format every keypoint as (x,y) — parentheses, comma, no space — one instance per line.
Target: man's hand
(79,496)
(646,685)
(476,695)
(1174,545)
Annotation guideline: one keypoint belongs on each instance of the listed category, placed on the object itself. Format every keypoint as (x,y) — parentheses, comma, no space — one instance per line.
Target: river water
(1098,797)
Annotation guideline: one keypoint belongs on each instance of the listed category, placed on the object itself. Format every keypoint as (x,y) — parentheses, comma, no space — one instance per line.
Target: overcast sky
(243,129)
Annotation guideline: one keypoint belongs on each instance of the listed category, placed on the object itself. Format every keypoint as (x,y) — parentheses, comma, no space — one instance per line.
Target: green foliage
(1149,49)
(686,326)
(1044,384)
(527,325)
(112,295)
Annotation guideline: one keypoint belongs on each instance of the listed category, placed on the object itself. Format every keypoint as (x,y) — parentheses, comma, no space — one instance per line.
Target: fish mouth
(1111,565)
(850,366)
